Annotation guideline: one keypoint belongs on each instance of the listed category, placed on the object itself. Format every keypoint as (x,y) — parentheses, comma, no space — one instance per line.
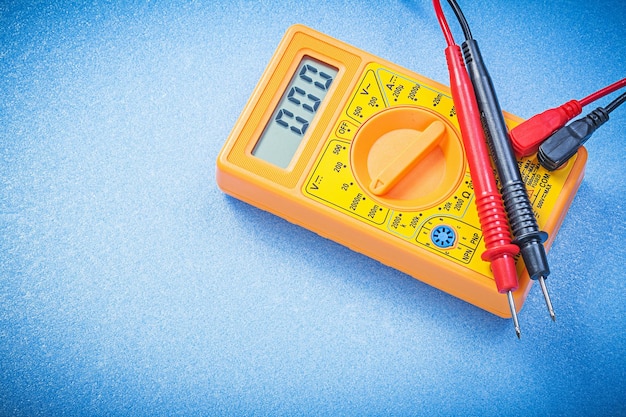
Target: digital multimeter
(369,154)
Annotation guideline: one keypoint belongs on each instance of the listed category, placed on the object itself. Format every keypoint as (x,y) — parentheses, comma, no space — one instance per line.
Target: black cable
(526,232)
(615,103)
(461,18)
(555,151)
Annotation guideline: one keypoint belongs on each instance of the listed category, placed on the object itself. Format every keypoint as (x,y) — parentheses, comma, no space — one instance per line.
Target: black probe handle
(526,233)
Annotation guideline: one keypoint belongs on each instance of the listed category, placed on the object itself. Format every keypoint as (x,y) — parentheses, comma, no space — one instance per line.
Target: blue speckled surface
(124,288)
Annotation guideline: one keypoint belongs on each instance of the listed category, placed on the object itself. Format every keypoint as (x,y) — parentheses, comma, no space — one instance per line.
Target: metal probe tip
(546,296)
(518,331)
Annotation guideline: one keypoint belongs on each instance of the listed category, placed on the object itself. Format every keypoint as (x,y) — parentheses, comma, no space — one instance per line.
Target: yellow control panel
(369,154)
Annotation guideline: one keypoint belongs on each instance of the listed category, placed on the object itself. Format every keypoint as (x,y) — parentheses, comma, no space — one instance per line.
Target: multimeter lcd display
(295,112)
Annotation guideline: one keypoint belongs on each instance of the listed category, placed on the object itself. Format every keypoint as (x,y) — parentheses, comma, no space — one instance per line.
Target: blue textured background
(130,285)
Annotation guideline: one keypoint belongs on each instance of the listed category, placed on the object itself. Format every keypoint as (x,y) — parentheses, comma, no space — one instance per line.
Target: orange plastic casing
(344,124)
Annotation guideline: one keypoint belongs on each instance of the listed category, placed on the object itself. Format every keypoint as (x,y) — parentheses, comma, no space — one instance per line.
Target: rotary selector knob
(409,158)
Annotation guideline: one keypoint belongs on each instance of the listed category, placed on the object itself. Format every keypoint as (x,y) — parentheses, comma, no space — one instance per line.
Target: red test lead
(500,251)
(527,136)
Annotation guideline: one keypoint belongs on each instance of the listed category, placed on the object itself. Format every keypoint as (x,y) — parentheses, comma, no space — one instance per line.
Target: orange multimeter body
(369,154)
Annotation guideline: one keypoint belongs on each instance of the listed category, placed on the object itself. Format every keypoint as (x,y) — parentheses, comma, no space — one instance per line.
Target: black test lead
(555,151)
(500,252)
(526,233)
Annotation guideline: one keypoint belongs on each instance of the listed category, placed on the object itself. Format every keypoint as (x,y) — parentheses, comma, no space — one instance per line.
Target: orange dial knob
(408,157)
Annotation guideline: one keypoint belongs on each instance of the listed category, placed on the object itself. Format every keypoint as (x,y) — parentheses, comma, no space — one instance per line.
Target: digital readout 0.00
(295,112)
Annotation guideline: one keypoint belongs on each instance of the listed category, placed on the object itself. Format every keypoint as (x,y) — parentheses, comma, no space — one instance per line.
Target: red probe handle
(494,223)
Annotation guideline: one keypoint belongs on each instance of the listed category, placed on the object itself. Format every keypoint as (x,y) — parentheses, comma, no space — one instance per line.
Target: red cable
(603,92)
(494,223)
(527,136)
(443,23)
